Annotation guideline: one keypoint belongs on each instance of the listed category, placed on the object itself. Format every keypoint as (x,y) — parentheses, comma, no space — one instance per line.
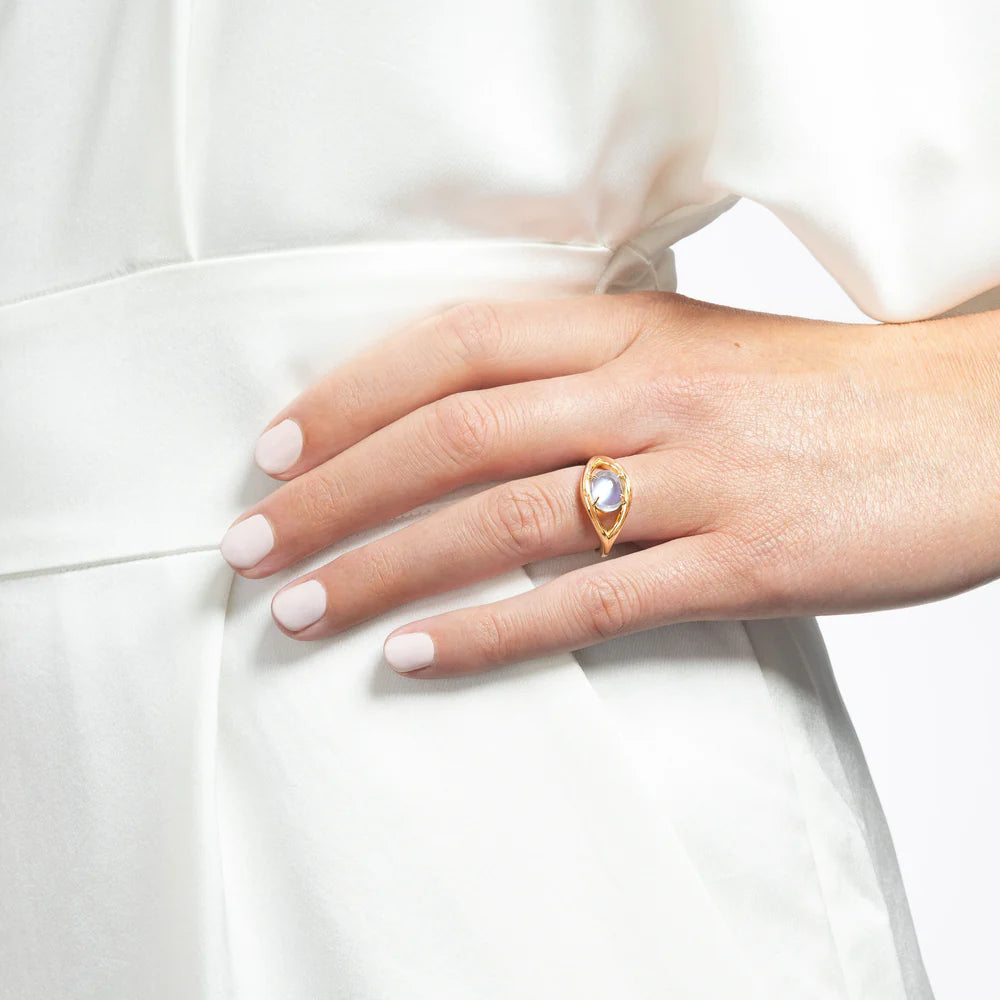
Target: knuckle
(524,517)
(756,566)
(350,395)
(647,304)
(701,396)
(489,638)
(464,428)
(381,574)
(653,314)
(317,500)
(640,316)
(674,387)
(609,604)
(472,332)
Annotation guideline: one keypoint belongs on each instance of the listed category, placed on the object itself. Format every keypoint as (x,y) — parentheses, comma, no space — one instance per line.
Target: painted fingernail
(409,651)
(299,606)
(246,543)
(279,448)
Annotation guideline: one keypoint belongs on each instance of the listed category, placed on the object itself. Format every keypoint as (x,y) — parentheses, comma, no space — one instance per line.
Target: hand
(780,466)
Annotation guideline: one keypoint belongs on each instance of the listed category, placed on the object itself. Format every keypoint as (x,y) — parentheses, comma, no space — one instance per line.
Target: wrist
(962,357)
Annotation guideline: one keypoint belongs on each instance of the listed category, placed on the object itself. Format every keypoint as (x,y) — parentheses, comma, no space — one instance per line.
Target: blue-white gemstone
(606,490)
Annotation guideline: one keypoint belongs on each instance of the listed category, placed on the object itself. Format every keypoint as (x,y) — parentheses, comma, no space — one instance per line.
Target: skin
(780,467)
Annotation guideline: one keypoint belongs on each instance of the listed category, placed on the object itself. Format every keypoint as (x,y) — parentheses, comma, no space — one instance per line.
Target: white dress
(206,205)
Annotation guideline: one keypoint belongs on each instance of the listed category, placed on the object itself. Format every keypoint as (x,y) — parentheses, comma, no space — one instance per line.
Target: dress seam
(97,563)
(426,508)
(316,249)
(220,846)
(182,118)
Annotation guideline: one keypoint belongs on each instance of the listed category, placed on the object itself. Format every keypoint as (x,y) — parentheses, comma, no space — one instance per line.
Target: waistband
(130,407)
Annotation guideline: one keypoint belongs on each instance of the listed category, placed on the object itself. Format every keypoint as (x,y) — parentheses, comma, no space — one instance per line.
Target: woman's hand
(780,466)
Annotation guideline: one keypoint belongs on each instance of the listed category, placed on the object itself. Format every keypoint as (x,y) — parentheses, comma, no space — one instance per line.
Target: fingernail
(409,651)
(279,448)
(246,543)
(299,606)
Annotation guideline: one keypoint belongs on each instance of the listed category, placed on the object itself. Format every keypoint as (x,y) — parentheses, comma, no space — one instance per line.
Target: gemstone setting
(606,486)
(606,490)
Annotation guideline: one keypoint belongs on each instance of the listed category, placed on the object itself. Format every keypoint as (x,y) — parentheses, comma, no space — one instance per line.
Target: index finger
(470,345)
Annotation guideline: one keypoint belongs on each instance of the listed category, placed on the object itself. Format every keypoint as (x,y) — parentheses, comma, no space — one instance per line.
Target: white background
(922,683)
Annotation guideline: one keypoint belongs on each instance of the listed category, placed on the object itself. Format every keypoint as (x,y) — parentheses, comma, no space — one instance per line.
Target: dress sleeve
(871,129)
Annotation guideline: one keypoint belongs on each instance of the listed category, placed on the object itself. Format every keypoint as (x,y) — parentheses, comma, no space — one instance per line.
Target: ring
(605,486)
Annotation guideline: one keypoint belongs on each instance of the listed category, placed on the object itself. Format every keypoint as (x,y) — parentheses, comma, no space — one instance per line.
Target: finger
(693,578)
(468,437)
(470,345)
(482,536)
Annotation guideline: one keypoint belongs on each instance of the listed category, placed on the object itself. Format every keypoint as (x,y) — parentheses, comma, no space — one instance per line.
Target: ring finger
(485,535)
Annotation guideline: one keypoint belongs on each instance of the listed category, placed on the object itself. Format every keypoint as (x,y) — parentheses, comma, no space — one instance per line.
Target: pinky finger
(686,579)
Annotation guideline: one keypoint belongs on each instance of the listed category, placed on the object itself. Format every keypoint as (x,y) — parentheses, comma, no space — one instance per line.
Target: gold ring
(605,486)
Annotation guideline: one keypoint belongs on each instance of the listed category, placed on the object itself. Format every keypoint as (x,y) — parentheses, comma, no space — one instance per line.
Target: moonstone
(606,490)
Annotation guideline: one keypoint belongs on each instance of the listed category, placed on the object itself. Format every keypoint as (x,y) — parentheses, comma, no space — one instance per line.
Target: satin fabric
(206,206)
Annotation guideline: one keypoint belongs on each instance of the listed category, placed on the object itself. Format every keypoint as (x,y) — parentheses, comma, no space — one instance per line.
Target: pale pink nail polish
(279,448)
(246,543)
(409,651)
(299,606)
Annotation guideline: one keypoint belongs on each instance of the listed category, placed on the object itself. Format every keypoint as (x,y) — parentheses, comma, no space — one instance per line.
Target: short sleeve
(872,130)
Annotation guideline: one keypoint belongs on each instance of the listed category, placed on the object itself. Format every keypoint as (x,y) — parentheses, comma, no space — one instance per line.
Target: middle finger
(467,437)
